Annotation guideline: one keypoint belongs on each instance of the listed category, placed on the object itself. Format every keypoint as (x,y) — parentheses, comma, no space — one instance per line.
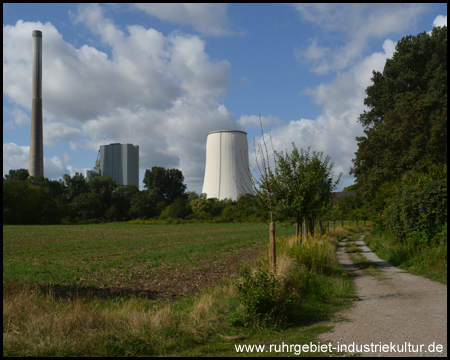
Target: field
(155,261)
(94,271)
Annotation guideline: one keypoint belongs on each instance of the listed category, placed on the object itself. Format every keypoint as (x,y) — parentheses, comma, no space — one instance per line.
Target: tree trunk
(312,229)
(305,230)
(320,227)
(272,255)
(342,223)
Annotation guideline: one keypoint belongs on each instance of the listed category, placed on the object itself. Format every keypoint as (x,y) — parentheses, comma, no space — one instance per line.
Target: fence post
(272,255)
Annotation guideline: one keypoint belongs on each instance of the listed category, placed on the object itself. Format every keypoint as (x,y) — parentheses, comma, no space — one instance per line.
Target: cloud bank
(157,91)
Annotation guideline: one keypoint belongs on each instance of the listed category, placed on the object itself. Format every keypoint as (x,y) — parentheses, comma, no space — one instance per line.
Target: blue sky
(164,75)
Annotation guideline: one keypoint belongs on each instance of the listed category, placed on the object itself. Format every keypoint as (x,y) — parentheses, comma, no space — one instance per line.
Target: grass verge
(428,260)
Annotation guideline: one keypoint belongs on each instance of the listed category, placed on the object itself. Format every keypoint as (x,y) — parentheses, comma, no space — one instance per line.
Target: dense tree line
(72,199)
(401,162)
(406,125)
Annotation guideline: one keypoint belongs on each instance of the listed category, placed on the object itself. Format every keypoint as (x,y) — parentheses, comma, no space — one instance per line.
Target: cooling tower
(36,164)
(227,172)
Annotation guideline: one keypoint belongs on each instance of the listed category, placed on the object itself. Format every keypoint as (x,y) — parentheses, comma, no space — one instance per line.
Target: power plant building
(227,172)
(118,161)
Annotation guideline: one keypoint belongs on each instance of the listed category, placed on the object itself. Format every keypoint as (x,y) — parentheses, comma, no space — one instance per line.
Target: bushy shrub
(417,209)
(261,296)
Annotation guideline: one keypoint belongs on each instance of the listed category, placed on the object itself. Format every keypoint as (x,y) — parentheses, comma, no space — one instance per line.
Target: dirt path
(392,307)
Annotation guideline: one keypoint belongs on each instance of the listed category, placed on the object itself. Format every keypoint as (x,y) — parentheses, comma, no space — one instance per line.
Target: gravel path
(392,307)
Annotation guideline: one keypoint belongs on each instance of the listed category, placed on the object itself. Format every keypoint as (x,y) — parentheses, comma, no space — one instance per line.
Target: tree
(167,182)
(19,174)
(143,205)
(192,195)
(25,202)
(306,185)
(87,206)
(265,186)
(179,209)
(15,195)
(75,185)
(406,125)
(104,187)
(121,202)
(419,66)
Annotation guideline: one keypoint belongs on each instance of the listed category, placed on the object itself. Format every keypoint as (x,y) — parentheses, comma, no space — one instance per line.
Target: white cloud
(59,132)
(160,92)
(440,20)
(17,157)
(334,131)
(250,121)
(355,24)
(208,19)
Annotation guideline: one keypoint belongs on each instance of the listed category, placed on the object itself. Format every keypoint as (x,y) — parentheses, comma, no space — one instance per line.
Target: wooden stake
(272,255)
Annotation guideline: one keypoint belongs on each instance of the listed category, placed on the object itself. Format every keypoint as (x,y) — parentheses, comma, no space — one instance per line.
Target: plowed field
(156,261)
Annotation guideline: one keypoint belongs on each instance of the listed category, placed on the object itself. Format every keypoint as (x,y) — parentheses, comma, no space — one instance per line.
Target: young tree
(306,181)
(265,187)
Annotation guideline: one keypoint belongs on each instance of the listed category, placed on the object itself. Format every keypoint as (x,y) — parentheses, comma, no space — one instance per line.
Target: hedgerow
(417,209)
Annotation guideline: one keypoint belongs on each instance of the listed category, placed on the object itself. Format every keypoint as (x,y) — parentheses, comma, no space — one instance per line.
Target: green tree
(169,183)
(74,185)
(143,205)
(192,195)
(34,201)
(179,209)
(307,185)
(87,206)
(15,195)
(406,125)
(104,187)
(121,202)
(19,174)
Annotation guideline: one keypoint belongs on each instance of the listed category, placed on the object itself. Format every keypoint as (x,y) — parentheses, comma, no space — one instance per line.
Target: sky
(163,76)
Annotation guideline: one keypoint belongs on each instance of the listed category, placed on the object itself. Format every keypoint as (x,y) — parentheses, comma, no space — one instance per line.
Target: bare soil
(165,282)
(392,307)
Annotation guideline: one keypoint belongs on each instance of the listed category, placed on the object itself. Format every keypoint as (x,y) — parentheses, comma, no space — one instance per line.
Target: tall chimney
(36,165)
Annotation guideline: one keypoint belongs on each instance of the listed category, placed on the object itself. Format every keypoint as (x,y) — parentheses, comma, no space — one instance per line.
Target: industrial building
(227,171)
(118,161)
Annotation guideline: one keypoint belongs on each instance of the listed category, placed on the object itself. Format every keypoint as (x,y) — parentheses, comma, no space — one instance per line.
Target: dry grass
(285,267)
(37,324)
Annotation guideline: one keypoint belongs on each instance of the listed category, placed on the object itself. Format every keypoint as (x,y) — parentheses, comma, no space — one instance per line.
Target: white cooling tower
(227,172)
